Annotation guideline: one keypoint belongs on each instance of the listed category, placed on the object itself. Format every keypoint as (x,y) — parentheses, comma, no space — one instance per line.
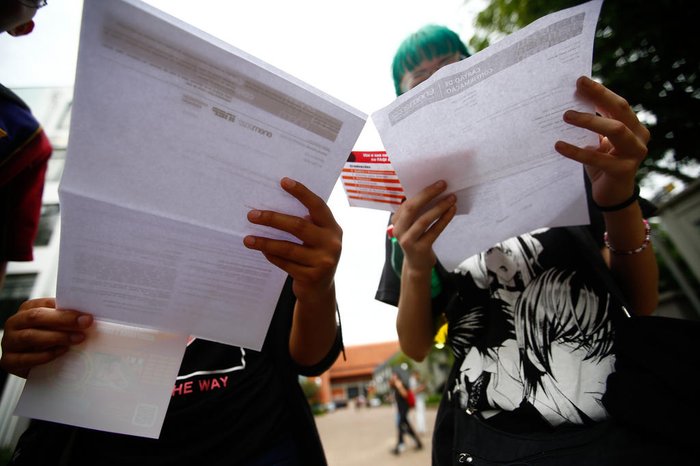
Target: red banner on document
(370,181)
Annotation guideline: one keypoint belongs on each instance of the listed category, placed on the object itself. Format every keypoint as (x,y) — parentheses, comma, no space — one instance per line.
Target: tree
(644,51)
(311,389)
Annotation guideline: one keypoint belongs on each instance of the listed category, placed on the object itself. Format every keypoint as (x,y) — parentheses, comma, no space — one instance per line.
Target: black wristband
(621,205)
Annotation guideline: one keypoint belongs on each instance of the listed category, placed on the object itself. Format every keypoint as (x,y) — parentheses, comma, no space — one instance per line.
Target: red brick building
(350,377)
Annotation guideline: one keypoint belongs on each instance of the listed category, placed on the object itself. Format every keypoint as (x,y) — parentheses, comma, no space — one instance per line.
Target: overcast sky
(342,48)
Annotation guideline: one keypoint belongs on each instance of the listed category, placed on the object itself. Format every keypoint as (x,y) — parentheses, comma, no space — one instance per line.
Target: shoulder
(8,96)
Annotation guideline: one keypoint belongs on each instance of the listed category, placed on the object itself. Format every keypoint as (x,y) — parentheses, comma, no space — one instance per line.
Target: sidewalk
(366,436)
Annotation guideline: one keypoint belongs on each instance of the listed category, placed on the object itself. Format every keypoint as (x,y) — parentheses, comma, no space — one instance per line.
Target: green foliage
(399,359)
(644,52)
(317,409)
(433,400)
(310,389)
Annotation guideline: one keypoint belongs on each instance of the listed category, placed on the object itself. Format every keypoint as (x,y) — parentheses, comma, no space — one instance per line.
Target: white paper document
(487,125)
(175,136)
(120,380)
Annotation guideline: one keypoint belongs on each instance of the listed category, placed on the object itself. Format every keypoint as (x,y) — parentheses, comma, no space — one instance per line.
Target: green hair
(425,44)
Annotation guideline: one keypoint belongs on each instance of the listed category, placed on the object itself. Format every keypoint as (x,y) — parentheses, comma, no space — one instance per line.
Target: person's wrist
(418,275)
(619,202)
(317,296)
(418,269)
(633,250)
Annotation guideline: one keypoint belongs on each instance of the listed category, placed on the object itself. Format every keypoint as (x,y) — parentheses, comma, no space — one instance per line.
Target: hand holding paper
(612,165)
(38,333)
(311,265)
(119,380)
(419,222)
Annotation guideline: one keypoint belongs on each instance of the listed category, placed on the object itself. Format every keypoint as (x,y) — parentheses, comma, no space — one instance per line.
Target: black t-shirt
(229,405)
(529,325)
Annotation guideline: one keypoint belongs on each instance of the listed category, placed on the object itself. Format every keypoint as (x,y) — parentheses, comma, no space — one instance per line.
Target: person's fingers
(439,225)
(312,263)
(623,139)
(38,302)
(34,314)
(319,274)
(38,333)
(312,229)
(615,173)
(319,212)
(612,105)
(310,234)
(38,339)
(424,222)
(409,211)
(299,227)
(587,156)
(299,261)
(20,363)
(294,252)
(38,325)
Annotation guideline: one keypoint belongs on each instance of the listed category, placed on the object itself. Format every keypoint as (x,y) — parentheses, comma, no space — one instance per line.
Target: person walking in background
(416,385)
(403,404)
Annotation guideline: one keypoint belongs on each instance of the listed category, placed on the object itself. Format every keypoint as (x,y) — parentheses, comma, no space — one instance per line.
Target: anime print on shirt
(530,326)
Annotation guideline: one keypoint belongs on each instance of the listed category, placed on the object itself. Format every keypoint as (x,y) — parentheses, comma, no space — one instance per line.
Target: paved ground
(365,436)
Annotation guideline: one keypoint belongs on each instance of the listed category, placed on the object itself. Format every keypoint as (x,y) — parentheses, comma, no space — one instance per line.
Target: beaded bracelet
(621,205)
(647,240)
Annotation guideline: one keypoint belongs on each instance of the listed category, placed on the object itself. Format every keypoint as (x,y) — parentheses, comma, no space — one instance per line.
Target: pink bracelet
(647,240)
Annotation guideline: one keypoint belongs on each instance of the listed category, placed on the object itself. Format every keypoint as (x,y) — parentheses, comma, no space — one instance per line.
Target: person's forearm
(637,274)
(313,329)
(414,322)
